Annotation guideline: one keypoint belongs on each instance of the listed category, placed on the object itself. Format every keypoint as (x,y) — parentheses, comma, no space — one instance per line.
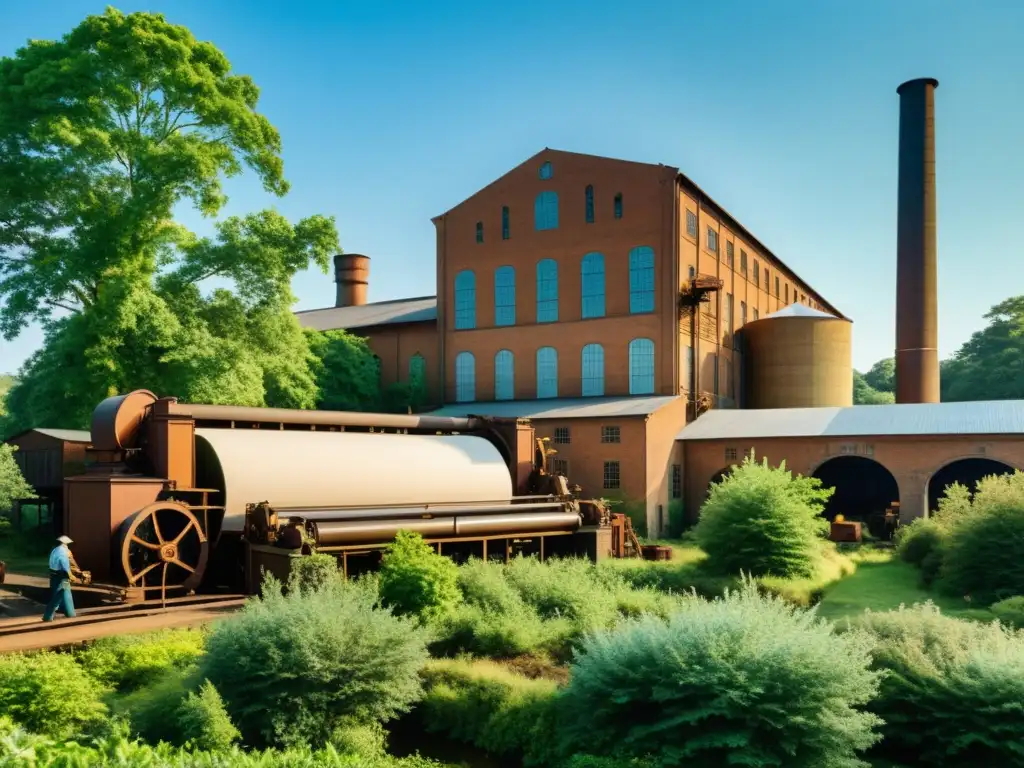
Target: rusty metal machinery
(178,495)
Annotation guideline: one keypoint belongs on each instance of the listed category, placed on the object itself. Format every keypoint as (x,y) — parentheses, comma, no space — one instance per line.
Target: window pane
(592,282)
(641,279)
(465,377)
(641,367)
(545,210)
(593,370)
(547,291)
(465,300)
(504,375)
(547,372)
(505,296)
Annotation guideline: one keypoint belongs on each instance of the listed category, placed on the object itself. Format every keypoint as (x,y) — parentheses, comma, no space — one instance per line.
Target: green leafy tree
(761,520)
(882,375)
(13,485)
(102,134)
(990,365)
(346,370)
(865,394)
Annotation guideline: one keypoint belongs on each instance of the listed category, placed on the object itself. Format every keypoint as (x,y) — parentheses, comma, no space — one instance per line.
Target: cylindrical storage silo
(799,357)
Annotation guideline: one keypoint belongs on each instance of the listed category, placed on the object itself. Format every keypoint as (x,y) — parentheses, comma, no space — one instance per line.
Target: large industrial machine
(187,497)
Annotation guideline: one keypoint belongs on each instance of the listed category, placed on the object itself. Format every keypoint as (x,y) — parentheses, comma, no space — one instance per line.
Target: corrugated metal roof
(561,408)
(416,310)
(801,310)
(1001,417)
(67,435)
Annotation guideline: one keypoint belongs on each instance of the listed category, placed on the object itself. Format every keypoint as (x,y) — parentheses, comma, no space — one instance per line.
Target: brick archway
(967,470)
(864,487)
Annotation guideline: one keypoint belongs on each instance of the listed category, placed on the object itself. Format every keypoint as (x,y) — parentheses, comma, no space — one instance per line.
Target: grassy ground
(881,583)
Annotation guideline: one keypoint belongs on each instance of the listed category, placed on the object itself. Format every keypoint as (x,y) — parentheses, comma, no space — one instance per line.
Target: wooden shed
(46,457)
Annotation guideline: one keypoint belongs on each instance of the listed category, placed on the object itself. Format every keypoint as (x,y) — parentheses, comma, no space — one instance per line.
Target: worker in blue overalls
(62,568)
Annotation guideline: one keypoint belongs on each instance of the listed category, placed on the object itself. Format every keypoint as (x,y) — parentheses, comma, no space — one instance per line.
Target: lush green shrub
(747,680)
(984,557)
(569,588)
(762,520)
(592,761)
(150,710)
(20,749)
(921,543)
(128,662)
(954,690)
(1010,611)
(204,722)
(313,572)
(12,483)
(481,630)
(677,523)
(486,705)
(415,580)
(363,739)
(291,668)
(6,528)
(49,693)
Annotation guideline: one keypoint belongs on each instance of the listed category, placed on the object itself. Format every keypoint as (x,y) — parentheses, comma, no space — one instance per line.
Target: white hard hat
(64,539)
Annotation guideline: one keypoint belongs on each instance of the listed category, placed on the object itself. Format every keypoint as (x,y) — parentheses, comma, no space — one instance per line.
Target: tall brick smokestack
(352,275)
(917,355)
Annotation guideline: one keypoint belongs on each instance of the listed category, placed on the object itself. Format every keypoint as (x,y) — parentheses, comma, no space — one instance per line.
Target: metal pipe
(917,356)
(328,534)
(201,412)
(342,514)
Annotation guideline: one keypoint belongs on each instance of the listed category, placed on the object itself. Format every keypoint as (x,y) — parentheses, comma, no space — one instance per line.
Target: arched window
(504,222)
(590,204)
(546,171)
(465,300)
(545,210)
(465,377)
(592,285)
(618,206)
(641,367)
(641,279)
(504,375)
(547,291)
(547,372)
(417,369)
(505,296)
(593,370)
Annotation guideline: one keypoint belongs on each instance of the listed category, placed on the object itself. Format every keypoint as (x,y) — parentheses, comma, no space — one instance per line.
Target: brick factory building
(599,297)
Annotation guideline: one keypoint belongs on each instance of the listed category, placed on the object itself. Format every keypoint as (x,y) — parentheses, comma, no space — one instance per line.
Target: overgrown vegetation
(293,668)
(12,482)
(953,690)
(414,580)
(762,520)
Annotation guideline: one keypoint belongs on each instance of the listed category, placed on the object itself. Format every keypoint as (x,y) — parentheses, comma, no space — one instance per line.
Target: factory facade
(601,298)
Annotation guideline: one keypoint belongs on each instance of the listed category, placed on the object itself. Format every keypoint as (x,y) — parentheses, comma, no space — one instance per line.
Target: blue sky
(786,112)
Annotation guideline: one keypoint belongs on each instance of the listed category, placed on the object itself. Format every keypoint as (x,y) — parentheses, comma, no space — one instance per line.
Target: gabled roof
(561,408)
(1002,417)
(67,435)
(422,309)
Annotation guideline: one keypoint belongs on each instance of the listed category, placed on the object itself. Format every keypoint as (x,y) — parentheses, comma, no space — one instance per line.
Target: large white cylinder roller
(343,469)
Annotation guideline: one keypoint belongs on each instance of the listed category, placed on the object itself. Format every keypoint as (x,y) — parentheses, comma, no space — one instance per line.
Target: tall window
(743,313)
(712,240)
(417,369)
(691,223)
(590,203)
(592,285)
(757,274)
(767,281)
(546,171)
(641,367)
(465,300)
(545,210)
(547,372)
(776,286)
(504,222)
(479,231)
(730,251)
(504,375)
(505,296)
(612,475)
(787,293)
(465,377)
(757,315)
(729,322)
(618,206)
(641,279)
(547,291)
(677,481)
(743,261)
(688,369)
(593,370)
